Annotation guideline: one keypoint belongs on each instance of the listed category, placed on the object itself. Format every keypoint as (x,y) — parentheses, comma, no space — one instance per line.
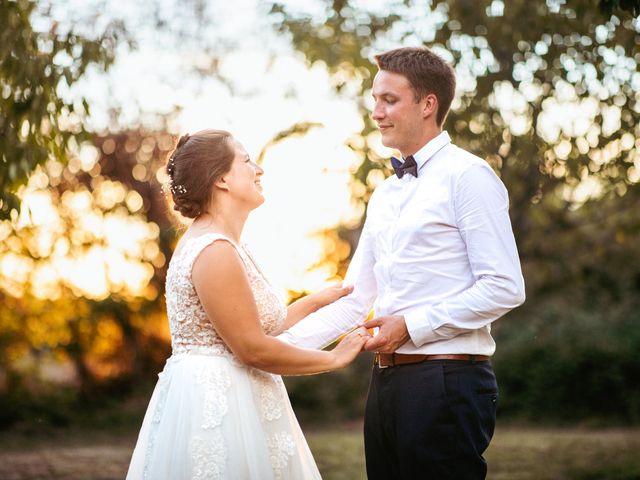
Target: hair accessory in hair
(171,164)
(178,189)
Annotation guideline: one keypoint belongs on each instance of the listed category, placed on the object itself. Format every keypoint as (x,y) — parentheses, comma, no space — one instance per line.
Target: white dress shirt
(438,249)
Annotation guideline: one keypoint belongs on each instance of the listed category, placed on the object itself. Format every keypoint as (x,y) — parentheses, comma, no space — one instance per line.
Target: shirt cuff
(419,327)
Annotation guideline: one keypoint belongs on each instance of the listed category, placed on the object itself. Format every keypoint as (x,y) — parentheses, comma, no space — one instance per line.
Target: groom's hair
(427,73)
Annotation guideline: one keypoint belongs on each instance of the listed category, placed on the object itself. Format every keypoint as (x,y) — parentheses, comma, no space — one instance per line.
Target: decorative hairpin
(178,189)
(171,166)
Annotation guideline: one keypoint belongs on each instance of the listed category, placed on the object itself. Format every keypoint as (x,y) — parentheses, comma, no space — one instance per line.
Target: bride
(220,408)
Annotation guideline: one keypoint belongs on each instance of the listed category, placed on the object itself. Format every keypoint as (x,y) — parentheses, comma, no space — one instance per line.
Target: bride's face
(243,179)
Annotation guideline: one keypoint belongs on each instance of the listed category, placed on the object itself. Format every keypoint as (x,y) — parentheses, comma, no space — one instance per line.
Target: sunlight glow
(255,90)
(306,186)
(110,250)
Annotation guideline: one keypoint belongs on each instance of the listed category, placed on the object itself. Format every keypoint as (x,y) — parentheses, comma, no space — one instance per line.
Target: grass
(564,454)
(516,453)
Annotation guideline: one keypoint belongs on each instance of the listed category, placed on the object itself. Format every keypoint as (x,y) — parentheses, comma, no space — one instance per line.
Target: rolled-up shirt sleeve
(325,325)
(482,215)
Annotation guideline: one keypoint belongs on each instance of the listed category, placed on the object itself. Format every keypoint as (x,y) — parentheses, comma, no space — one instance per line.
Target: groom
(438,259)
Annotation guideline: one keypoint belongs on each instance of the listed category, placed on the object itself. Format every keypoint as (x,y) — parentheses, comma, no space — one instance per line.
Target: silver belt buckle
(376,361)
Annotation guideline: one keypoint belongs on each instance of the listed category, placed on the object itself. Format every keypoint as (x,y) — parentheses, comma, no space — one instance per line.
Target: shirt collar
(432,147)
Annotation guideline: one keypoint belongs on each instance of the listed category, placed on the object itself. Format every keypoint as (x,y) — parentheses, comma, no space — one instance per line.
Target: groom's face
(399,117)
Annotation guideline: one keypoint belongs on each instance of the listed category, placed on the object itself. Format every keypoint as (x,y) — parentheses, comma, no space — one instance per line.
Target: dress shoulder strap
(196,245)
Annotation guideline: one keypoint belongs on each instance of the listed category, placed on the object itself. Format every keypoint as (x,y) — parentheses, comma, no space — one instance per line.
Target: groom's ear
(430,103)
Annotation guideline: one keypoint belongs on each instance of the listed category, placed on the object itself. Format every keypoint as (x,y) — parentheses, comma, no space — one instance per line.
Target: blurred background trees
(549,95)
(37,121)
(82,279)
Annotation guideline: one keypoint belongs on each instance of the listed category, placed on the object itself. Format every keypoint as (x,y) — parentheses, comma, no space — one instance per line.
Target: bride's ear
(221,183)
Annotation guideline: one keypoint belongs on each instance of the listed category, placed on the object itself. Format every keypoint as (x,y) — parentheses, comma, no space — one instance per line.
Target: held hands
(392,334)
(350,346)
(330,294)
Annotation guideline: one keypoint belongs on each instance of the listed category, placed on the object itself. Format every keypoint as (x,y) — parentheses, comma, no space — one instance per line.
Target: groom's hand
(391,336)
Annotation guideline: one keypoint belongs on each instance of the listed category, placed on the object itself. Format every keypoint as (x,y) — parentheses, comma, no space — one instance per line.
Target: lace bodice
(191,329)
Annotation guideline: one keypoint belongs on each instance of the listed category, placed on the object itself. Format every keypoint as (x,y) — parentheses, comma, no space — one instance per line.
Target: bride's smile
(242,181)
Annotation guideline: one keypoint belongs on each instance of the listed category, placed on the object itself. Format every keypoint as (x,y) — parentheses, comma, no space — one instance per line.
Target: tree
(37,123)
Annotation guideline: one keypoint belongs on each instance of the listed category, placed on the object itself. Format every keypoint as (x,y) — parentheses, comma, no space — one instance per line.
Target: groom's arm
(482,215)
(324,326)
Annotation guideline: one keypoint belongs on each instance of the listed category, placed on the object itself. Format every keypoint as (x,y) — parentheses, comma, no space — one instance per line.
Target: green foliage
(37,123)
(56,407)
(571,352)
(567,366)
(615,472)
(104,341)
(611,6)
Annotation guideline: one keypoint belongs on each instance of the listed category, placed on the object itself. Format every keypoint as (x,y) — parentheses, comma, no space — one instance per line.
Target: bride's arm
(309,304)
(222,286)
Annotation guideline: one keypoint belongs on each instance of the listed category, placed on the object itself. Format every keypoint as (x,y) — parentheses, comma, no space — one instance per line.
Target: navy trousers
(430,420)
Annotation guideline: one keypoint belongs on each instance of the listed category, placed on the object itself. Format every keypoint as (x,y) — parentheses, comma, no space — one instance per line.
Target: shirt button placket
(390,254)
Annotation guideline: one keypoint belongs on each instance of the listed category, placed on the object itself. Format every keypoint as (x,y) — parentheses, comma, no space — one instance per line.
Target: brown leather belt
(384,360)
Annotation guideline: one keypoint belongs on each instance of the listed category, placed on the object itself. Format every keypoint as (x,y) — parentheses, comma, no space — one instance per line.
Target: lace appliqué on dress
(191,329)
(216,384)
(193,333)
(209,453)
(281,448)
(271,402)
(271,308)
(209,456)
(163,387)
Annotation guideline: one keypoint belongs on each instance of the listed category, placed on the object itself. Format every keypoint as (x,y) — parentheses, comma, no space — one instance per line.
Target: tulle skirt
(212,418)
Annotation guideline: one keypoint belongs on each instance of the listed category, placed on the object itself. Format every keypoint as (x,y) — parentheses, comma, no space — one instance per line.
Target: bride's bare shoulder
(218,260)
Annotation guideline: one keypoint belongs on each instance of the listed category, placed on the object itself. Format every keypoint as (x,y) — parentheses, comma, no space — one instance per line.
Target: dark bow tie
(409,166)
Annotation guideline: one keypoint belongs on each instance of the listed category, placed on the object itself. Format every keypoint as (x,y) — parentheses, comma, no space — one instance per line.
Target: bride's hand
(349,347)
(330,294)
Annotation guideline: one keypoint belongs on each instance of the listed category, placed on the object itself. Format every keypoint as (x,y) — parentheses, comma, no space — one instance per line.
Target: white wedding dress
(211,417)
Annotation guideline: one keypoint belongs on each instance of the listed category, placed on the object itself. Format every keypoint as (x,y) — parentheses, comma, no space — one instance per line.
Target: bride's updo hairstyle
(196,163)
